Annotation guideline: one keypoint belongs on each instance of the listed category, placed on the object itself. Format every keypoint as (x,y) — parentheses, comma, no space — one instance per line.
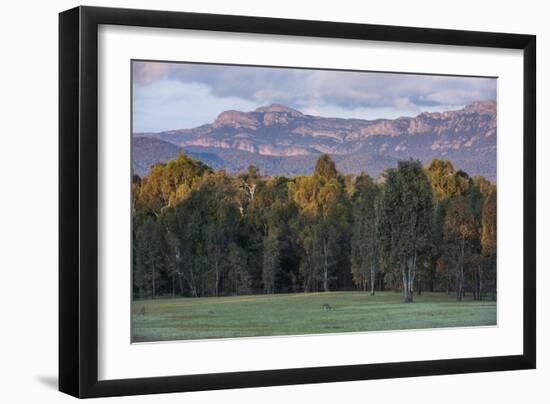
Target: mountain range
(280,140)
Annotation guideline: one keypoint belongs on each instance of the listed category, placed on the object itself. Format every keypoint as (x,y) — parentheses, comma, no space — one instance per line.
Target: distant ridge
(280,140)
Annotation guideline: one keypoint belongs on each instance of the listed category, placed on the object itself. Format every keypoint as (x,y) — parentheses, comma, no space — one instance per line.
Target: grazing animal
(327,306)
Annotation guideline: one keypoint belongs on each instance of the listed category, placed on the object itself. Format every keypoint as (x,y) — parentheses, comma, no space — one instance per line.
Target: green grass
(301,313)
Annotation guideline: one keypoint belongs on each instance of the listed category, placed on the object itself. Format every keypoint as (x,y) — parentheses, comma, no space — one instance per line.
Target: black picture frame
(78,200)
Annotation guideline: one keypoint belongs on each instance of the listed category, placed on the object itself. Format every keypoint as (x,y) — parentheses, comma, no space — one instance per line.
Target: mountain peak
(236,119)
(487,107)
(279,108)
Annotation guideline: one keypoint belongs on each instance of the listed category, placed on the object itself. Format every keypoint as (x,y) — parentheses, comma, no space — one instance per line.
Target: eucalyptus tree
(489,233)
(476,198)
(184,227)
(247,183)
(405,219)
(489,224)
(441,174)
(460,231)
(222,219)
(168,183)
(364,248)
(325,211)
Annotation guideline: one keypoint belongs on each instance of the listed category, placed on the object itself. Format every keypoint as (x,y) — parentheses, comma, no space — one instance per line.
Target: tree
(184,224)
(332,227)
(270,218)
(222,221)
(447,184)
(463,183)
(247,183)
(332,212)
(441,174)
(489,225)
(168,183)
(476,198)
(439,267)
(237,272)
(310,256)
(270,263)
(459,230)
(201,228)
(405,219)
(364,250)
(149,258)
(489,233)
(325,168)
(325,211)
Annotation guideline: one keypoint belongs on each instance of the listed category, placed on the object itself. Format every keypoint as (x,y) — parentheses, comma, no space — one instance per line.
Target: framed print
(251,201)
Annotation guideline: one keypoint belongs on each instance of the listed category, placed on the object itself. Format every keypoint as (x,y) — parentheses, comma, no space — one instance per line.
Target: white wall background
(28,199)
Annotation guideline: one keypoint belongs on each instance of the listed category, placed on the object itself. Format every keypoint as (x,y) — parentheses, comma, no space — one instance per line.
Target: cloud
(165,104)
(146,72)
(341,93)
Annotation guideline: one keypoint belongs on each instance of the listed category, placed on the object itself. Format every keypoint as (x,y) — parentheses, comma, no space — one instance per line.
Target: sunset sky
(184,95)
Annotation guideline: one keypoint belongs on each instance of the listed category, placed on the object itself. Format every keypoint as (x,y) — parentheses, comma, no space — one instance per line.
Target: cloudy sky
(184,95)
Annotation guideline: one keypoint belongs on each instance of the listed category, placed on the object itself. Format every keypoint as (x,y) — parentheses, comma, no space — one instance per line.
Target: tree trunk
(407,286)
(190,280)
(180,284)
(217,280)
(458,290)
(153,281)
(480,280)
(409,270)
(325,266)
(372,275)
(460,273)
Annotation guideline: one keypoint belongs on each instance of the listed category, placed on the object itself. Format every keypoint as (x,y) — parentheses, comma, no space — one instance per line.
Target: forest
(198,232)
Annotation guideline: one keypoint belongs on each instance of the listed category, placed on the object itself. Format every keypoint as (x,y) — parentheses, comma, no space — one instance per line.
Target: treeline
(200,232)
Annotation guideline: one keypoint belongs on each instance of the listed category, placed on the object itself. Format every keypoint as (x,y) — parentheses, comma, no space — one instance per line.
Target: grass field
(300,313)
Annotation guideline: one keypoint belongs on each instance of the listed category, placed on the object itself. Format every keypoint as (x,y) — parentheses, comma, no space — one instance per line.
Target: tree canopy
(200,232)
